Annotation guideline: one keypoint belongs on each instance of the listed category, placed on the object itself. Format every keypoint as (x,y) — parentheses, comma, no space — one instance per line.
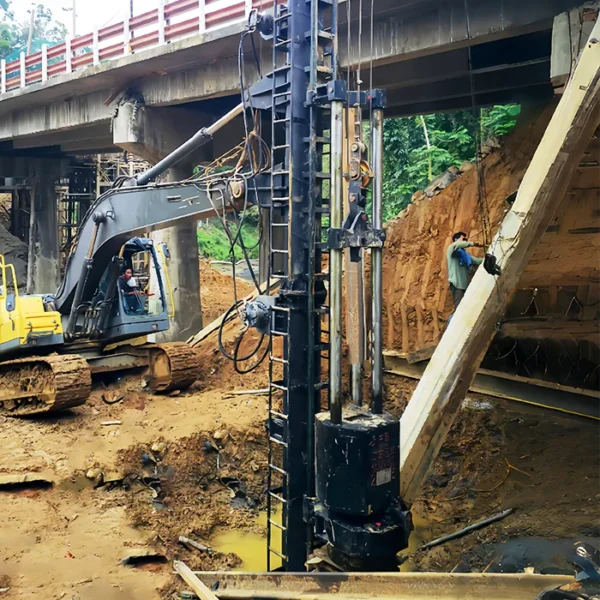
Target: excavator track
(43,384)
(173,366)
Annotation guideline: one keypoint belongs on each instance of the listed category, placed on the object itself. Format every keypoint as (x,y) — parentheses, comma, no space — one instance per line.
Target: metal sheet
(400,586)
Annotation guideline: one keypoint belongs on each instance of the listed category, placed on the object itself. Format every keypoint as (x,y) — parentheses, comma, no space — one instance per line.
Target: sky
(89,12)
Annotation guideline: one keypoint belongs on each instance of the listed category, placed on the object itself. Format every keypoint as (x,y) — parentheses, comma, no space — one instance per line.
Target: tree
(409,158)
(14,34)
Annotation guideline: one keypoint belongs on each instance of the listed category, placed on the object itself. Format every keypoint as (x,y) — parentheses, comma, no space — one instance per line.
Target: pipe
(335,266)
(465,530)
(201,137)
(377,268)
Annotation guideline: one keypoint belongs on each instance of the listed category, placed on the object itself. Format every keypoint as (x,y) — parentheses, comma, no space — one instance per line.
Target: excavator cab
(131,293)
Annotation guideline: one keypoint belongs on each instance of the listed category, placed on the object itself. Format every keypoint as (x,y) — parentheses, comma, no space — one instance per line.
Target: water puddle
(420,534)
(252,547)
(249,546)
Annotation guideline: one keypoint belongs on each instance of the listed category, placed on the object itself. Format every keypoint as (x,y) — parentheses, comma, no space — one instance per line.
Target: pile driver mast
(333,475)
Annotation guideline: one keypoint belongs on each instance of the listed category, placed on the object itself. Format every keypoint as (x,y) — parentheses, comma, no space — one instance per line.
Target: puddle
(420,534)
(546,556)
(250,547)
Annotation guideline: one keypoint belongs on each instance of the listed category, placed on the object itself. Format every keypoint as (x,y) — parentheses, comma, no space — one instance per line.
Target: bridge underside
(419,53)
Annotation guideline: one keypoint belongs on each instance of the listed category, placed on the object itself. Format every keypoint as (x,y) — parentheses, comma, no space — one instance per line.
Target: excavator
(52,344)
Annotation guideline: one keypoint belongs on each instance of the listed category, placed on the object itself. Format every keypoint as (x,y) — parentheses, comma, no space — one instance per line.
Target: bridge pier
(43,267)
(151,133)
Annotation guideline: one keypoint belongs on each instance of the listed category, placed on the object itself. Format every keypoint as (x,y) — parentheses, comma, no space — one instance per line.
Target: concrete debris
(442,182)
(192,544)
(221,435)
(95,475)
(159,449)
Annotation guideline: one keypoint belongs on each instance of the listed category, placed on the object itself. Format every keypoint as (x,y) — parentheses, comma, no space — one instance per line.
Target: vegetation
(14,34)
(419,148)
(213,241)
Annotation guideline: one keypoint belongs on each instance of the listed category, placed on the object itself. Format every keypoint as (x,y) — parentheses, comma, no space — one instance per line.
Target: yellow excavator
(52,344)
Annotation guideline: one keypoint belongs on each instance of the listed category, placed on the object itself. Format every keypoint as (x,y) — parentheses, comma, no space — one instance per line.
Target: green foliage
(499,120)
(452,140)
(213,242)
(14,34)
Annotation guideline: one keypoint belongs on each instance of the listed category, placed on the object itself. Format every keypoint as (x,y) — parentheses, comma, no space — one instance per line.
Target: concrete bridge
(147,83)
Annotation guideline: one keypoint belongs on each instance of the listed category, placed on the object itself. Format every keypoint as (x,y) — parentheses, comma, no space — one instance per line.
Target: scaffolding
(89,178)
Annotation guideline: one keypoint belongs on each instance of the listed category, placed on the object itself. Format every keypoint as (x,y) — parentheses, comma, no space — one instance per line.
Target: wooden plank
(438,396)
(202,591)
(537,329)
(397,586)
(212,327)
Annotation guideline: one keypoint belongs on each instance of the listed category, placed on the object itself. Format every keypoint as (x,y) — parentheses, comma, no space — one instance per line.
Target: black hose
(255,351)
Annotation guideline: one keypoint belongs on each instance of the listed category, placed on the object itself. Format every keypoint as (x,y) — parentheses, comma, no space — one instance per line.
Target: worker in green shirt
(459,265)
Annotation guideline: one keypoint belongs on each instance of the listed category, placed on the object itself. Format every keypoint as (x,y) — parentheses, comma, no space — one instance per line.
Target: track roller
(43,384)
(173,366)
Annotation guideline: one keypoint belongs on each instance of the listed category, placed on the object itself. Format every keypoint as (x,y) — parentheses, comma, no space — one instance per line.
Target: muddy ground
(193,464)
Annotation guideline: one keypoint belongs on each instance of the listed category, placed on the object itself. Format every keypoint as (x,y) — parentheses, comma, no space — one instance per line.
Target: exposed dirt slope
(417,301)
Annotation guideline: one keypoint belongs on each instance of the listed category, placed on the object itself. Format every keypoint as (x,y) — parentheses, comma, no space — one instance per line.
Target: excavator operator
(130,292)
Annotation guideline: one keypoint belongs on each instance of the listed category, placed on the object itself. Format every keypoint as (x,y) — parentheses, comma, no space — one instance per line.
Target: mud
(538,462)
(193,464)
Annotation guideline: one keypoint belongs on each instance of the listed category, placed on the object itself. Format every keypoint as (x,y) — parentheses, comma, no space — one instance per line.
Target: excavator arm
(122,214)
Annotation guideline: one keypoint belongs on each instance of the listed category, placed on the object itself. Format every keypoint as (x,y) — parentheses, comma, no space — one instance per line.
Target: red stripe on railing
(110,31)
(189,26)
(180,6)
(11,84)
(110,51)
(144,40)
(57,50)
(13,67)
(33,59)
(228,14)
(33,76)
(144,19)
(82,59)
(57,68)
(82,41)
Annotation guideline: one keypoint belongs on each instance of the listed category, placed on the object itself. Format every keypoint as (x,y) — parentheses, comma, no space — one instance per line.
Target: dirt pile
(194,486)
(216,291)
(416,295)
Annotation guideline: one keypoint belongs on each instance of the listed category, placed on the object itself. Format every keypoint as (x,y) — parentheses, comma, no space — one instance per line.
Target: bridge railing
(170,21)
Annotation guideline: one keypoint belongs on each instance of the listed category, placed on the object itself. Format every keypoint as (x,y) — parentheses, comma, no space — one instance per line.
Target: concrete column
(43,269)
(151,133)
(184,272)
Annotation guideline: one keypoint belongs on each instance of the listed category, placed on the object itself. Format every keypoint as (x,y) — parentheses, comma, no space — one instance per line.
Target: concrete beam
(443,26)
(68,114)
(151,133)
(513,77)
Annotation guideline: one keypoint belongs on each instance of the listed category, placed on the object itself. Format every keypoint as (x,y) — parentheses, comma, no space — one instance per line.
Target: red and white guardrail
(170,21)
